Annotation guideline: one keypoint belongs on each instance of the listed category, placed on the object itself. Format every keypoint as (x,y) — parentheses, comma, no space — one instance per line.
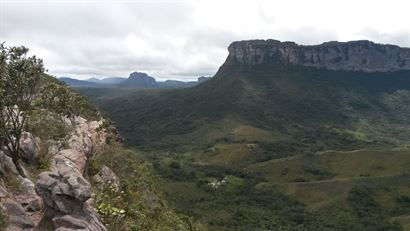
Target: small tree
(61,100)
(19,78)
(56,98)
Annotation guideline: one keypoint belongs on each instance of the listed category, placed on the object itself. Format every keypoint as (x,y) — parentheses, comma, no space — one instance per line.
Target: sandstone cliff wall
(351,56)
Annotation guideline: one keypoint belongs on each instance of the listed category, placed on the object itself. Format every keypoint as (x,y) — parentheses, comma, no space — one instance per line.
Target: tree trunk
(16,162)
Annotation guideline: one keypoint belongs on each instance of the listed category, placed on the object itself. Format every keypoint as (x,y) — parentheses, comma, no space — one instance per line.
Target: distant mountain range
(135,80)
(110,80)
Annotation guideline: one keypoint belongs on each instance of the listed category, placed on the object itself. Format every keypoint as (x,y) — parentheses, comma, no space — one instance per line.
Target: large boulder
(30,148)
(65,195)
(29,199)
(69,160)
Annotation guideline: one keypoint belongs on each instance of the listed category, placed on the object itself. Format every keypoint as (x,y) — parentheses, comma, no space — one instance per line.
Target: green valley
(276,146)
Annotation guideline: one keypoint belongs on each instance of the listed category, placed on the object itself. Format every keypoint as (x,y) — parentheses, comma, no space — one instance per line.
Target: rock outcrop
(107,177)
(350,56)
(64,189)
(61,196)
(22,206)
(30,148)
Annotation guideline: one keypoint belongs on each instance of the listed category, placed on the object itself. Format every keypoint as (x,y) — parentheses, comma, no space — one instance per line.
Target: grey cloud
(401,38)
(113,38)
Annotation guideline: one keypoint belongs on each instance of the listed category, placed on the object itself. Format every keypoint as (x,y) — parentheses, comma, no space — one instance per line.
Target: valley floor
(353,186)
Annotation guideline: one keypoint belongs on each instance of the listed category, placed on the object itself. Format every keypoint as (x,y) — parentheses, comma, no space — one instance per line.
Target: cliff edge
(348,56)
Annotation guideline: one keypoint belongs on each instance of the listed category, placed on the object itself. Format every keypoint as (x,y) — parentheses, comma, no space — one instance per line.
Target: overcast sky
(184,39)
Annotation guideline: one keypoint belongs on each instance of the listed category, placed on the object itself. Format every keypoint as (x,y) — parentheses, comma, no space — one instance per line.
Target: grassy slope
(270,131)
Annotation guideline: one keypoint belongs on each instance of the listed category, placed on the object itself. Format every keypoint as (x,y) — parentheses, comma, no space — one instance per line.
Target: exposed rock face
(64,189)
(351,56)
(30,148)
(61,195)
(107,177)
(23,207)
(18,218)
(6,164)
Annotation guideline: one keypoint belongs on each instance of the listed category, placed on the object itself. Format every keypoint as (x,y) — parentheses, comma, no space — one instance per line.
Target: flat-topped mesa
(350,56)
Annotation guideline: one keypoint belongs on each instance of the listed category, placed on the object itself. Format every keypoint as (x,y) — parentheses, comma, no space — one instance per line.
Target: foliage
(62,100)
(19,78)
(370,215)
(47,126)
(313,107)
(108,196)
(137,204)
(315,135)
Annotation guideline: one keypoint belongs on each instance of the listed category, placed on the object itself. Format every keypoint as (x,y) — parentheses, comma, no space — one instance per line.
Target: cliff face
(61,196)
(350,56)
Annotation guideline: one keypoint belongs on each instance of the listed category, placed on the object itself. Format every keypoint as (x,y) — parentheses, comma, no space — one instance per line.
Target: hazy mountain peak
(137,74)
(140,80)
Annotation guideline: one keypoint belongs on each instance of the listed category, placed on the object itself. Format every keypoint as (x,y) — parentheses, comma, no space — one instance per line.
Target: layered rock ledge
(349,56)
(60,199)
(64,190)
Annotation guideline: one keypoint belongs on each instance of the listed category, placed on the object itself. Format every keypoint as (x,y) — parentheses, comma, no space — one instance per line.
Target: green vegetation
(317,189)
(19,78)
(33,101)
(137,203)
(276,147)
(65,102)
(28,99)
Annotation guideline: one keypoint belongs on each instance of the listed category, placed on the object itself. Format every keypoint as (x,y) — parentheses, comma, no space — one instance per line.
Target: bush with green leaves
(106,200)
(19,79)
(64,101)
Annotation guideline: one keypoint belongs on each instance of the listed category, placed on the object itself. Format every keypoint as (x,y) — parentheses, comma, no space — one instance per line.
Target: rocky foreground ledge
(60,199)
(349,56)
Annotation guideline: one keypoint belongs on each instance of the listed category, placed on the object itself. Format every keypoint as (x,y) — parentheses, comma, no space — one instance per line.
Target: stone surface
(107,176)
(6,164)
(69,222)
(61,196)
(69,160)
(3,192)
(17,215)
(351,56)
(30,148)
(29,199)
(63,193)
(64,190)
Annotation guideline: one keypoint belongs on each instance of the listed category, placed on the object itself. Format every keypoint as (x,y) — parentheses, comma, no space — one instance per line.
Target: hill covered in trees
(282,137)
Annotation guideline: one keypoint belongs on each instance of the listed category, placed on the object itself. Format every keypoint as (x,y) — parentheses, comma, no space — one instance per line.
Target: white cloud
(184,39)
